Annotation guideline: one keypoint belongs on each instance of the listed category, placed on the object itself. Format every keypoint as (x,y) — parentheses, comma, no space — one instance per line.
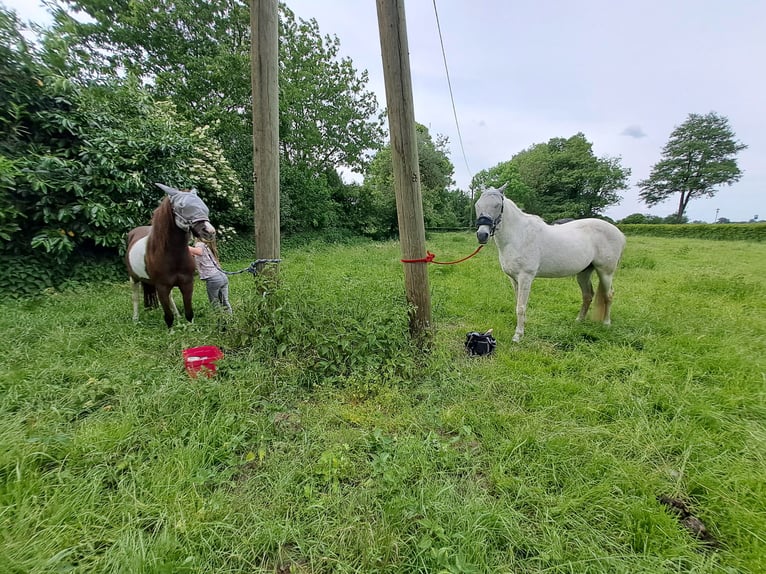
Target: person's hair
(213,246)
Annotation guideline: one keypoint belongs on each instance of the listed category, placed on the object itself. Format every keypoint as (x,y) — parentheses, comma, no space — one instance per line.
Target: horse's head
(190,212)
(489,212)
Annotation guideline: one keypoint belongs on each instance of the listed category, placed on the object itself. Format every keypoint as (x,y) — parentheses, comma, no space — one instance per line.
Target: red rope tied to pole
(429,258)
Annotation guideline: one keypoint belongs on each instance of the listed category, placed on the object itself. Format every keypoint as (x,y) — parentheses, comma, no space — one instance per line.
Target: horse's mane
(163,223)
(531,216)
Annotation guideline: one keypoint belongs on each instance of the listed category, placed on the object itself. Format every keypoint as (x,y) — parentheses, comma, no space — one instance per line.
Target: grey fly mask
(188,208)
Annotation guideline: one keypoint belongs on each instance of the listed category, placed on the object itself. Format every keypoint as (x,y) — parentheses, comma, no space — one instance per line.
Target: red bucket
(201,360)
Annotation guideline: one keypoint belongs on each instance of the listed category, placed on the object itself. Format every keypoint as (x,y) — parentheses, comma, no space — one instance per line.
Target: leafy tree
(78,161)
(504,173)
(327,117)
(197,53)
(560,178)
(376,202)
(635,218)
(443,206)
(673,218)
(699,156)
(647,218)
(17,111)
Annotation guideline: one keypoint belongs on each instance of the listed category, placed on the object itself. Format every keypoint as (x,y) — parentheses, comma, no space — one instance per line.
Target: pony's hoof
(516,338)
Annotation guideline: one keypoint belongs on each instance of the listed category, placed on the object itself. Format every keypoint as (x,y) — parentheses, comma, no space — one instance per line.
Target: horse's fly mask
(188,208)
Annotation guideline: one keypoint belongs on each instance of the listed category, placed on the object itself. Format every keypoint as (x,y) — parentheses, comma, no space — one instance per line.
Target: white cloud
(633,132)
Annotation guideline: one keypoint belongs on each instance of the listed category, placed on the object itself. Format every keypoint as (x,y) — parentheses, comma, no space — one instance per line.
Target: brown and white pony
(158,257)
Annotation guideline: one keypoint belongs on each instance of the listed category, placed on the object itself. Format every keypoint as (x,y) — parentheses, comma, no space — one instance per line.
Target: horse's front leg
(176,312)
(522,285)
(168,305)
(186,292)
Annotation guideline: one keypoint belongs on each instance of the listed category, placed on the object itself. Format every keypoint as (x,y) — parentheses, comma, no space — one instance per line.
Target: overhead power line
(452,98)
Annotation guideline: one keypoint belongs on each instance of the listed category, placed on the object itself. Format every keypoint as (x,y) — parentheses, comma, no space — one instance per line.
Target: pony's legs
(135,287)
(168,305)
(522,286)
(604,295)
(583,280)
(186,293)
(176,313)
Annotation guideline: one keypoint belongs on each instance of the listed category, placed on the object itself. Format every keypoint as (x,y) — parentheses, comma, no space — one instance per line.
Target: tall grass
(327,443)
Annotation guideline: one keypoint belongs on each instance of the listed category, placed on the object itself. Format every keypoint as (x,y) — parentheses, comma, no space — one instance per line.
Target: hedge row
(721,231)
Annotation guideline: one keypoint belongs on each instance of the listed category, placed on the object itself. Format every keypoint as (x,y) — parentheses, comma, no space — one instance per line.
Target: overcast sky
(623,73)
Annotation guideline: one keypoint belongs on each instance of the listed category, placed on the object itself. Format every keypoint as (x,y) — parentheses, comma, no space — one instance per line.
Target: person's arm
(196,251)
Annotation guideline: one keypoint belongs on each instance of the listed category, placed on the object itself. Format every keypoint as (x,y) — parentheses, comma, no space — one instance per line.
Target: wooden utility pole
(264,63)
(404,151)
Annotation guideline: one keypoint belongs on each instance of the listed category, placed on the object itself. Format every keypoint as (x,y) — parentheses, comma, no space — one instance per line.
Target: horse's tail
(600,302)
(150,296)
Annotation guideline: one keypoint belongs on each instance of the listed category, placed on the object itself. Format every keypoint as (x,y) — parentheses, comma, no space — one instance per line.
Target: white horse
(529,247)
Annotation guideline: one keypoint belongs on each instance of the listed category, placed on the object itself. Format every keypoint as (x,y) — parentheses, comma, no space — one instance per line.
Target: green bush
(30,275)
(366,345)
(236,249)
(718,231)
(78,160)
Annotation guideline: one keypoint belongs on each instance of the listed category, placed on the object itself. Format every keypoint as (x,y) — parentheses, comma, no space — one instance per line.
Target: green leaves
(560,178)
(327,117)
(78,160)
(699,156)
(197,54)
(443,206)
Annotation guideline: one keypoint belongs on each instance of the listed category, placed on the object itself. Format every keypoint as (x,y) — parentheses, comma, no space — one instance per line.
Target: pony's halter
(484,219)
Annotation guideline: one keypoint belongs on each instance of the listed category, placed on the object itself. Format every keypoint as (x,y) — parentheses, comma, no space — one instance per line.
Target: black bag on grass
(478,344)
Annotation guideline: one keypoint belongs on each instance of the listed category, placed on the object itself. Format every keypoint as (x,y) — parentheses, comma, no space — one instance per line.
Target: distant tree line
(646,218)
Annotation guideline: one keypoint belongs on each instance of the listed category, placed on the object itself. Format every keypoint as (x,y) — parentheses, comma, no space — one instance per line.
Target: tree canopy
(443,205)
(78,161)
(560,178)
(699,157)
(197,53)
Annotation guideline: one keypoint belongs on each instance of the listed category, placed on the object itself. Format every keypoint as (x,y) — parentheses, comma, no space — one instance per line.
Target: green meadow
(328,443)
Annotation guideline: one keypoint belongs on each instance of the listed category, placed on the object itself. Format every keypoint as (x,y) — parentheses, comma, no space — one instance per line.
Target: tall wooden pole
(404,150)
(264,58)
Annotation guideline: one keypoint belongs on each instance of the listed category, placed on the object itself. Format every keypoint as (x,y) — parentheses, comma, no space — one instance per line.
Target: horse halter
(484,219)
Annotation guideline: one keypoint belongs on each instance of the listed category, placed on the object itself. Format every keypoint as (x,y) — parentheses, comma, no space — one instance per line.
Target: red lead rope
(429,258)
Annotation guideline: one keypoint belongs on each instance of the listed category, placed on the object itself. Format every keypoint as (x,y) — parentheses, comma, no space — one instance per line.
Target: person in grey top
(209,269)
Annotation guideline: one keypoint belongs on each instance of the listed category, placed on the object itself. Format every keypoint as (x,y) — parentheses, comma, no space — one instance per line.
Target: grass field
(327,443)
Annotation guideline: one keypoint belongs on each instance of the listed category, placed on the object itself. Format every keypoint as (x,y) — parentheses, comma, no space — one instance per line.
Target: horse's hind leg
(135,287)
(604,295)
(583,280)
